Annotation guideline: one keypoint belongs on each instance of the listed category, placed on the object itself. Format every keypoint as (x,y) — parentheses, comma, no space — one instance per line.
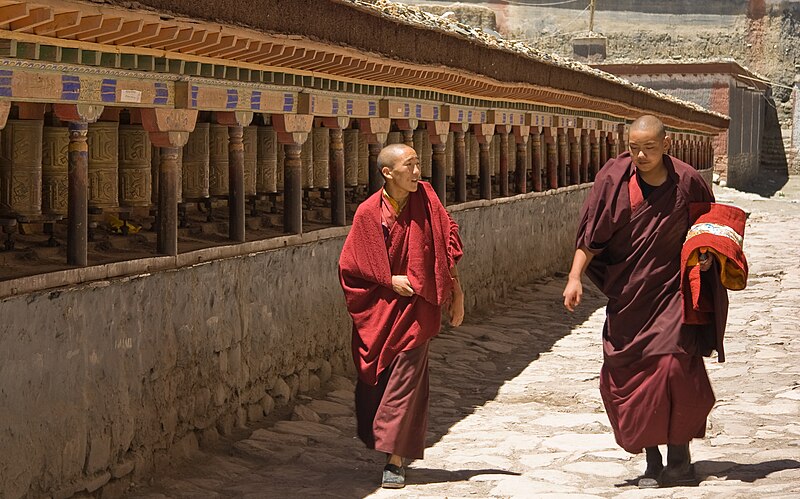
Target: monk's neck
(399,196)
(654,177)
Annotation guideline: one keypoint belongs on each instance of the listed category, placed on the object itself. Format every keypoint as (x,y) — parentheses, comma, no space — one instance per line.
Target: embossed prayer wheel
(322,154)
(267,160)
(307,161)
(512,153)
(196,164)
(363,160)
(55,162)
(281,161)
(21,168)
(449,154)
(250,143)
(494,154)
(218,160)
(103,140)
(422,144)
(474,155)
(351,158)
(135,177)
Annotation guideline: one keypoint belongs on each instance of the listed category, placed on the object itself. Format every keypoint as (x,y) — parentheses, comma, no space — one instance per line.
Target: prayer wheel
(474,155)
(250,144)
(21,168)
(135,177)
(103,138)
(449,155)
(512,153)
(394,138)
(494,154)
(55,162)
(322,154)
(351,158)
(267,160)
(307,161)
(218,160)
(196,164)
(363,160)
(426,156)
(279,170)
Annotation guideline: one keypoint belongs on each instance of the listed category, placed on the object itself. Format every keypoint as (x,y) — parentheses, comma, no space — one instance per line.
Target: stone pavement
(515,409)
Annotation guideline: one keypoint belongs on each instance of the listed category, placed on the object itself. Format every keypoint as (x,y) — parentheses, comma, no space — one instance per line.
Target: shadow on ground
(336,464)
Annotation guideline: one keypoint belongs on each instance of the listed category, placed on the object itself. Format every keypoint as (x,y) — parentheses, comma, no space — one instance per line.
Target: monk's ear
(386,172)
(667,143)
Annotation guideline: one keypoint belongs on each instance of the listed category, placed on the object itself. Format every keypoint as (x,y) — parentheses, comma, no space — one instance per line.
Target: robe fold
(391,332)
(653,382)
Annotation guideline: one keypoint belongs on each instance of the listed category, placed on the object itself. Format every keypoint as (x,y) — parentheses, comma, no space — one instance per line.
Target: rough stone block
(184,448)
(302,379)
(97,481)
(202,400)
(225,424)
(314,383)
(73,456)
(294,385)
(241,417)
(255,412)
(208,437)
(325,371)
(268,404)
(220,395)
(222,360)
(99,451)
(281,392)
(123,468)
(303,413)
(115,489)
(68,491)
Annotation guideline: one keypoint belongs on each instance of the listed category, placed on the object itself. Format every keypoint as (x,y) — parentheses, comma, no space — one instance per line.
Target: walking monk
(653,382)
(397,270)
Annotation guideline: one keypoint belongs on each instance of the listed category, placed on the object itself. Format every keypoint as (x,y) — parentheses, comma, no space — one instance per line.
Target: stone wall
(104,381)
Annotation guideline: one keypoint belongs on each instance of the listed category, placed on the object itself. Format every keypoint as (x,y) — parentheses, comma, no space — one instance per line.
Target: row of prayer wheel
(122,164)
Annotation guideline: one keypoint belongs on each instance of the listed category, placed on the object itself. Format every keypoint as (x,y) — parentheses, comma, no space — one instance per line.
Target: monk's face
(405,173)
(647,148)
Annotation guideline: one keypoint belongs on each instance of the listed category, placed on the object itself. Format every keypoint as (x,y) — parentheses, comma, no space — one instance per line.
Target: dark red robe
(653,382)
(391,332)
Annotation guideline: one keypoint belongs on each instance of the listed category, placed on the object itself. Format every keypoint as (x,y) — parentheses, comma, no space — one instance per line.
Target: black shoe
(394,477)
(679,470)
(650,479)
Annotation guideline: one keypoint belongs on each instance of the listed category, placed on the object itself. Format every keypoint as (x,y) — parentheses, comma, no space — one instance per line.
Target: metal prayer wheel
(21,168)
(494,154)
(449,154)
(474,155)
(512,153)
(394,138)
(279,169)
(55,176)
(196,164)
(103,140)
(267,160)
(351,158)
(363,160)
(135,177)
(322,154)
(307,161)
(250,143)
(422,144)
(218,160)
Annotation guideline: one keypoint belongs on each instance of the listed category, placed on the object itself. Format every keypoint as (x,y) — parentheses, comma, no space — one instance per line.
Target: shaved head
(649,123)
(391,154)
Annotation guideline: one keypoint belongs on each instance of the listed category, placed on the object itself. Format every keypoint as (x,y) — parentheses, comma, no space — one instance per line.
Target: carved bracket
(234,118)
(407,124)
(169,120)
(5,107)
(293,128)
(522,133)
(483,132)
(502,128)
(169,139)
(459,127)
(87,113)
(340,122)
(375,129)
(437,131)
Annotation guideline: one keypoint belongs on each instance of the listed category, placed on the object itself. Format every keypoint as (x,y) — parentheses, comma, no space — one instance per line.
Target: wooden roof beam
(147,32)
(165,34)
(183,35)
(60,20)
(127,28)
(238,46)
(86,23)
(36,17)
(225,42)
(108,25)
(13,12)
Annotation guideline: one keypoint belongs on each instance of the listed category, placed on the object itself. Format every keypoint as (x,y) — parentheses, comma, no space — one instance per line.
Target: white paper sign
(130,96)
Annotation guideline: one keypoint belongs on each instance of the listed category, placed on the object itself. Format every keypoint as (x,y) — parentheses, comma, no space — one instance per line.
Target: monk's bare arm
(456,308)
(574,289)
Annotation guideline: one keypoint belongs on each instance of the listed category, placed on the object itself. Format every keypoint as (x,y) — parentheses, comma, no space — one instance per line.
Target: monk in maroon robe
(653,382)
(397,270)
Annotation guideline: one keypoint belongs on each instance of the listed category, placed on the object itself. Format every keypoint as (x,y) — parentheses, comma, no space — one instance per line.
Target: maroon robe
(653,382)
(391,332)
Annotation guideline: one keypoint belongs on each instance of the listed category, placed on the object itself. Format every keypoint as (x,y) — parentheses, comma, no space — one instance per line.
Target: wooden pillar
(337,169)
(78,118)
(603,149)
(586,152)
(236,121)
(375,130)
(522,135)
(407,127)
(503,166)
(483,134)
(460,168)
(574,158)
(563,157)
(293,130)
(375,177)
(552,162)
(536,167)
(437,137)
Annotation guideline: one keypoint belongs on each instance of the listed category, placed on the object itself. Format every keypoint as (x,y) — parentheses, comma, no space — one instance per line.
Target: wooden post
(293,130)
(503,167)
(483,134)
(168,178)
(236,121)
(536,167)
(586,152)
(522,135)
(460,168)
(376,131)
(437,136)
(552,163)
(563,157)
(595,143)
(574,159)
(603,149)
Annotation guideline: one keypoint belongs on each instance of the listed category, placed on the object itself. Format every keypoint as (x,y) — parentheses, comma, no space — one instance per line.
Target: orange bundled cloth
(718,230)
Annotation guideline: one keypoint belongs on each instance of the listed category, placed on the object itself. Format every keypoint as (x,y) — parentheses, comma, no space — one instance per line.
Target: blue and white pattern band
(715,229)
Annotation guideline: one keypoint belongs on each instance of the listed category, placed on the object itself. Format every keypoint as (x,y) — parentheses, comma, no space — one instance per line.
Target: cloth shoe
(394,477)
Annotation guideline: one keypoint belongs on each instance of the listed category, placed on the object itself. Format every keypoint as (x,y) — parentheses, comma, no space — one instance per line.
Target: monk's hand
(456,308)
(573,293)
(402,286)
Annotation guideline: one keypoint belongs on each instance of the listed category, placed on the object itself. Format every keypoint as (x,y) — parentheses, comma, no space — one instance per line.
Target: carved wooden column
(552,160)
(460,161)
(169,130)
(586,152)
(375,131)
(536,165)
(483,134)
(603,149)
(236,121)
(78,118)
(407,127)
(613,149)
(337,168)
(437,137)
(574,158)
(595,154)
(521,137)
(293,130)
(563,156)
